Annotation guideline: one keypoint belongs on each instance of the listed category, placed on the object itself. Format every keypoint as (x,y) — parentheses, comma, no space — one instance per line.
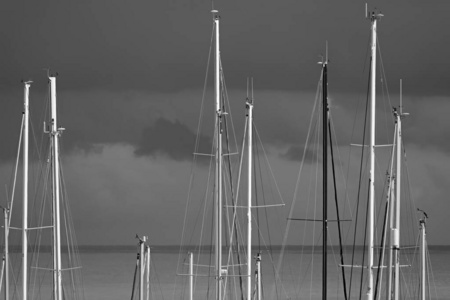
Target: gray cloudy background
(130,85)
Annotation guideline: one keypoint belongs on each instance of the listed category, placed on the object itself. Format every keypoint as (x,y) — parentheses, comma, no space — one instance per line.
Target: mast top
(215,14)
(324,60)
(374,15)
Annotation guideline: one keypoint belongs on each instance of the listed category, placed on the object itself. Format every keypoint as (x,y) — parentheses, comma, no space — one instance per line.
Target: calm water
(110,276)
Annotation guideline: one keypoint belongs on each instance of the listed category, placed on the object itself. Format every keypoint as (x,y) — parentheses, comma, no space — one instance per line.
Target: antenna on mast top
(366,10)
(401,96)
(247,88)
(252,88)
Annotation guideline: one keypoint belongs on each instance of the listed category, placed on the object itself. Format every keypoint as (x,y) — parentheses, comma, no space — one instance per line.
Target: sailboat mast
(423,258)
(54,133)
(325,177)
(373,18)
(25,191)
(249,105)
(396,249)
(147,281)
(141,266)
(218,163)
(191,276)
(6,253)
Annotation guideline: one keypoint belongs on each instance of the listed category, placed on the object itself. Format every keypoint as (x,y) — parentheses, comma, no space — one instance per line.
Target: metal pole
(249,104)
(141,267)
(397,209)
(371,220)
(55,132)
(258,268)
(423,252)
(148,273)
(6,259)
(391,242)
(25,192)
(191,276)
(218,163)
(325,177)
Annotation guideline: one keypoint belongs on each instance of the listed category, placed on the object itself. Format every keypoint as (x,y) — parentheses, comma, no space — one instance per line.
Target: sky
(130,83)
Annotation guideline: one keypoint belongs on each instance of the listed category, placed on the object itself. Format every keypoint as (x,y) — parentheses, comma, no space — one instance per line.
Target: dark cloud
(170,138)
(295,153)
(163,45)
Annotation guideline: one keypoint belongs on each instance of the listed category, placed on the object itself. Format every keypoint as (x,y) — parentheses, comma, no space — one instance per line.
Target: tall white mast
(218,163)
(392,241)
(148,272)
(423,249)
(249,104)
(141,266)
(55,133)
(6,258)
(25,191)
(398,172)
(373,18)
(191,276)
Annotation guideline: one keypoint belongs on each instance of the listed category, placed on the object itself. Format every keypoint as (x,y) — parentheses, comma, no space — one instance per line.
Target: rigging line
(236,200)
(383,72)
(268,164)
(38,239)
(256,190)
(134,278)
(359,184)
(368,43)
(211,249)
(267,247)
(316,144)
(385,109)
(381,249)
(333,133)
(229,239)
(72,246)
(430,269)
(385,180)
(337,210)
(291,209)
(197,141)
(10,205)
(205,208)
(407,175)
(410,200)
(225,94)
(276,185)
(239,176)
(153,264)
(277,275)
(315,190)
(389,205)
(205,198)
(263,194)
(364,243)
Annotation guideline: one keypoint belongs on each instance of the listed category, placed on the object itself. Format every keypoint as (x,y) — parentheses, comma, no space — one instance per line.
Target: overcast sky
(130,84)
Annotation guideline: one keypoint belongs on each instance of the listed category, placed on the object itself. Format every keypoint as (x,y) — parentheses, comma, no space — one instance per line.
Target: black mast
(325,175)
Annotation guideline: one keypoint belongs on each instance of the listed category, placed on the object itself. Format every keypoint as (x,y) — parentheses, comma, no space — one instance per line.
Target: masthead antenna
(401,98)
(252,88)
(366,10)
(247,87)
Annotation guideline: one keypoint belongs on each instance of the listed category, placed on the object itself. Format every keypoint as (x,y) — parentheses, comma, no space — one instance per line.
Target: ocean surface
(108,274)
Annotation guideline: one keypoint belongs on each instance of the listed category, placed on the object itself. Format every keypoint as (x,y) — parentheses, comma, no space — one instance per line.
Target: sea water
(110,274)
